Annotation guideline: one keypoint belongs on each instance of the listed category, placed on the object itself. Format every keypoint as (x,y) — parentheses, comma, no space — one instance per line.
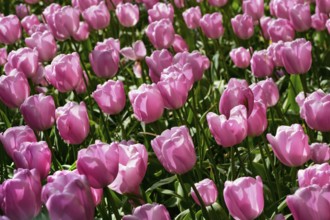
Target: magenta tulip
(275,52)
(211,25)
(22,10)
(192,16)
(161,33)
(128,14)
(281,8)
(280,29)
(97,16)
(257,121)
(84,4)
(179,44)
(28,22)
(157,62)
(44,43)
(266,91)
(320,152)
(243,26)
(136,52)
(3,56)
(300,17)
(319,21)
(160,11)
(217,3)
(82,32)
(262,64)
(323,6)
(207,190)
(241,57)
(254,8)
(10,29)
(149,212)
(264,24)
(318,174)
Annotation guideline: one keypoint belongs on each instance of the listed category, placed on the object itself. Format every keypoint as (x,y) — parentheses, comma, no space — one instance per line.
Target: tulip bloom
(149,212)
(83,4)
(10,29)
(230,131)
(319,21)
(44,43)
(28,22)
(14,89)
(274,51)
(157,62)
(110,97)
(266,91)
(300,17)
(82,32)
(323,6)
(192,16)
(133,160)
(22,10)
(136,52)
(179,44)
(207,190)
(280,29)
(240,57)
(217,3)
(3,56)
(33,155)
(318,174)
(161,33)
(281,8)
(175,150)
(264,23)
(147,103)
(97,16)
(320,152)
(72,122)
(257,121)
(244,197)
(128,14)
(160,11)
(262,65)
(243,26)
(254,8)
(290,145)
(211,25)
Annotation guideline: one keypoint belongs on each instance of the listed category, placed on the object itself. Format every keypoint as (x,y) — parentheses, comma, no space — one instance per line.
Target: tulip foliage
(159,110)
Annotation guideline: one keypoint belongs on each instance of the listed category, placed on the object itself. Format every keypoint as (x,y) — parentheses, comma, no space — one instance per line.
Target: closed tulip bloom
(137,52)
(179,3)
(147,103)
(290,145)
(110,97)
(82,32)
(207,190)
(21,195)
(161,33)
(176,69)
(264,24)
(49,10)
(236,93)
(68,192)
(3,56)
(244,197)
(310,202)
(29,22)
(104,58)
(266,91)
(300,17)
(320,152)
(297,56)
(275,52)
(149,212)
(192,16)
(243,26)
(14,89)
(128,14)
(133,161)
(157,62)
(257,121)
(39,112)
(84,4)
(240,57)
(13,137)
(97,16)
(65,72)
(44,43)
(281,8)
(323,6)
(72,122)
(318,21)
(175,150)
(281,29)
(262,65)
(318,174)
(211,25)
(22,10)
(10,29)
(34,155)
(254,8)
(160,11)
(179,44)
(217,3)
(229,131)
(99,163)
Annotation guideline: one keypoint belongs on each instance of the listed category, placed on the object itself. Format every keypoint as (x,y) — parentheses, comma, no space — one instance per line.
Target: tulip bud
(161,33)
(10,29)
(318,174)
(97,16)
(266,91)
(149,212)
(217,3)
(211,25)
(281,29)
(192,16)
(262,65)
(22,10)
(207,190)
(240,57)
(82,32)
(44,43)
(72,122)
(147,103)
(175,150)
(320,152)
(243,26)
(244,197)
(3,56)
(254,8)
(319,21)
(300,17)
(128,14)
(290,145)
(160,11)
(157,62)
(136,52)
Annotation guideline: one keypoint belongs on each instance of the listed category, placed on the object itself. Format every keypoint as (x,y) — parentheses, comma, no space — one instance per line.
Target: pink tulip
(217,3)
(28,22)
(82,32)
(320,152)
(323,6)
(241,57)
(299,51)
(160,11)
(37,28)
(179,3)
(266,91)
(104,58)
(244,197)
(22,10)
(290,145)
(318,174)
(310,202)
(175,150)
(97,16)
(13,137)
(65,72)
(99,163)
(192,16)
(136,52)
(49,10)
(157,62)
(97,195)
(147,103)
(257,121)
(211,25)
(281,8)
(14,89)
(236,93)
(300,17)
(3,56)
(133,160)
(254,8)
(229,131)
(319,21)
(262,65)
(149,212)
(264,24)
(21,195)
(68,192)
(275,52)
(10,29)
(281,29)
(207,190)
(128,14)
(32,1)
(82,5)
(39,112)
(148,3)
(328,25)
(82,84)
(179,44)
(243,26)
(34,155)
(161,33)
(72,122)
(39,78)
(44,43)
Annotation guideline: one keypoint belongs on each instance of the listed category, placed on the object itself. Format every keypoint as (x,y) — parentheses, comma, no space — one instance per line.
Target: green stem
(205,213)
(232,165)
(192,214)
(111,201)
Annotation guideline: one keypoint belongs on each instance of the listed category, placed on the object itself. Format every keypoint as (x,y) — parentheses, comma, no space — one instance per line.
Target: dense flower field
(158,110)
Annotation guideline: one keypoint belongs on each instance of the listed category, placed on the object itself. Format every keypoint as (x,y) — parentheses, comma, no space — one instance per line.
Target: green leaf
(295,87)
